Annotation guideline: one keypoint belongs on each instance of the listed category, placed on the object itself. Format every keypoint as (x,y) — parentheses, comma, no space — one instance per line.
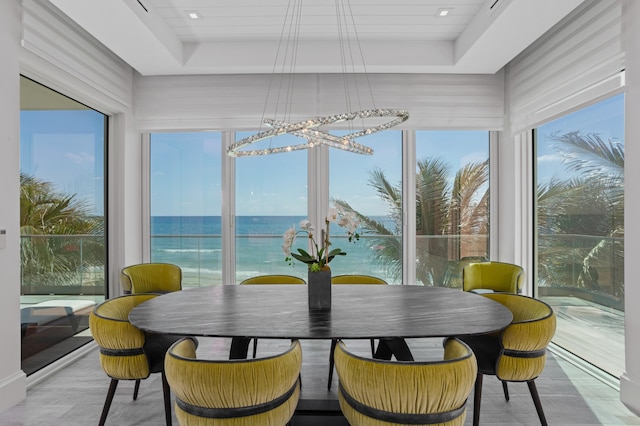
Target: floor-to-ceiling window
(62,222)
(452,204)
(580,230)
(371,187)
(271,197)
(185,204)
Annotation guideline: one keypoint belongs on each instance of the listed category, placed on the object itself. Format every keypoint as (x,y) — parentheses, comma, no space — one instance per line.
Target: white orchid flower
(305,225)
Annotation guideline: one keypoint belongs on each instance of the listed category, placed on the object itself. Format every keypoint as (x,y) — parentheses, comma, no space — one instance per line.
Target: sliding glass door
(580,230)
(62,222)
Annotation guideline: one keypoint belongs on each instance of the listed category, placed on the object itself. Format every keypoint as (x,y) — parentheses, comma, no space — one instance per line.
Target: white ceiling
(242,36)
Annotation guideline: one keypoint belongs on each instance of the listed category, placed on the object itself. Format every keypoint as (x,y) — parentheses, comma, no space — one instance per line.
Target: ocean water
(195,244)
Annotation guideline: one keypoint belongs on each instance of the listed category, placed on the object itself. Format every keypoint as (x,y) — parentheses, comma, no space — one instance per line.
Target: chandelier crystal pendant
(316,131)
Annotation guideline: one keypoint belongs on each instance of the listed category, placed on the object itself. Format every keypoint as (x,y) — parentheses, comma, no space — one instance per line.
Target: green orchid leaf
(304,253)
(304,259)
(337,252)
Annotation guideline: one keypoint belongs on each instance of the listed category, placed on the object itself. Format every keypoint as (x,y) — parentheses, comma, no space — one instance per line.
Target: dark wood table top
(358,312)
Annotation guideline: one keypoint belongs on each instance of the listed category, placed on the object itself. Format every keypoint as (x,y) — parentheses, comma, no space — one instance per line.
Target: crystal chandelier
(314,132)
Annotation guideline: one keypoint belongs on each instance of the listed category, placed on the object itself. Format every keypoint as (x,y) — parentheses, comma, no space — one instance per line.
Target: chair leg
(477,396)
(334,342)
(166,392)
(136,389)
(107,403)
(373,348)
(536,402)
(505,389)
(255,347)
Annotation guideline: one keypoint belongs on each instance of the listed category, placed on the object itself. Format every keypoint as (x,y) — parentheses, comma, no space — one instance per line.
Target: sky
(605,118)
(67,148)
(186,175)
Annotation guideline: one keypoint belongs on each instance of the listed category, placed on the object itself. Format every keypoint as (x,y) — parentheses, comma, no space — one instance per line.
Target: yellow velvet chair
(380,393)
(351,279)
(262,391)
(126,352)
(271,279)
(356,279)
(493,276)
(151,278)
(518,353)
(274,279)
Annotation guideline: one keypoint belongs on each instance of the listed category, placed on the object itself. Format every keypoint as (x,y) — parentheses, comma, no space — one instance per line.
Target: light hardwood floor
(75,395)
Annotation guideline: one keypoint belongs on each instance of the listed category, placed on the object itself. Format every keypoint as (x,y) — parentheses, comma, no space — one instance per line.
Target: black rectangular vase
(319,286)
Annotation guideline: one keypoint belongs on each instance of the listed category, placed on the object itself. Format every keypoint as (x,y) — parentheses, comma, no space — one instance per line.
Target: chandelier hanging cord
(309,129)
(292,23)
(342,14)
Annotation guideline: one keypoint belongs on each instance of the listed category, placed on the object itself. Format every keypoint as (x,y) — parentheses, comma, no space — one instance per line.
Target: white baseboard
(630,393)
(13,390)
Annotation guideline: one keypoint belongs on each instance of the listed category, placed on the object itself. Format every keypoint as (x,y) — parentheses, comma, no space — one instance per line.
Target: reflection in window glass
(580,230)
(452,204)
(62,222)
(271,197)
(370,186)
(186,204)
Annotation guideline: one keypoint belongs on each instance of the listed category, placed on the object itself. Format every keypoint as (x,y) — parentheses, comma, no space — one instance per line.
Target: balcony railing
(587,267)
(62,264)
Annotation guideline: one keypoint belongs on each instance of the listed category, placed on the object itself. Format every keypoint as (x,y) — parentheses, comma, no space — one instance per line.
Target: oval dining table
(390,313)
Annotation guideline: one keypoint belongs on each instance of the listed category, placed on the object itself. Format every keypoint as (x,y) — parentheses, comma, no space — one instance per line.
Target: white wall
(630,380)
(38,41)
(12,379)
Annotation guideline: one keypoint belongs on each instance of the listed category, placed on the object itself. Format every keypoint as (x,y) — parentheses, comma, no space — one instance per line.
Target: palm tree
(581,219)
(445,210)
(45,213)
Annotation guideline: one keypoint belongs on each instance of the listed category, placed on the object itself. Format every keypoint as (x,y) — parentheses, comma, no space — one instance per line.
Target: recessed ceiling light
(193,14)
(444,11)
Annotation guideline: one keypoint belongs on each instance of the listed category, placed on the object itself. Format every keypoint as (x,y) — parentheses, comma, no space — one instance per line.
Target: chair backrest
(496,276)
(121,343)
(356,279)
(256,391)
(151,278)
(274,279)
(377,392)
(524,342)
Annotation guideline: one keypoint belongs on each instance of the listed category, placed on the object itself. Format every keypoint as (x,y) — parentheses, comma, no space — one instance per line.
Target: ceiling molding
(143,36)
